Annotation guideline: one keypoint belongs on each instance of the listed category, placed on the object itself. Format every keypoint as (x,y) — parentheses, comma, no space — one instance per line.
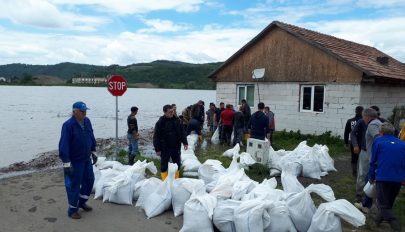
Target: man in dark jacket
(259,123)
(350,124)
(132,135)
(76,145)
(167,139)
(387,170)
(246,112)
(238,126)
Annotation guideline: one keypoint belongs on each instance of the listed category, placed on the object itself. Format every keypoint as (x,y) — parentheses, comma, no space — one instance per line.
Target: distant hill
(160,73)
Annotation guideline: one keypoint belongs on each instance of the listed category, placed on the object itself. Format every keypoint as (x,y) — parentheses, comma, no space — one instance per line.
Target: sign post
(117,86)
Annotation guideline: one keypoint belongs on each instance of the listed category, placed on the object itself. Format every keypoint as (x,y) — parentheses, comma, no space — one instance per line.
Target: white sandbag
(137,189)
(97,174)
(310,167)
(280,219)
(265,191)
(325,161)
(182,189)
(210,170)
(107,164)
(246,160)
(198,212)
(150,185)
(224,215)
(142,166)
(120,189)
(232,152)
(242,187)
(105,176)
(252,216)
(274,172)
(210,186)
(290,183)
(302,208)
(370,190)
(294,168)
(327,216)
(188,154)
(161,199)
(215,137)
(191,165)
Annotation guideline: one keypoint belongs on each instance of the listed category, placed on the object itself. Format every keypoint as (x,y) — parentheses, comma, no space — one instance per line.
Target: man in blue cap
(76,145)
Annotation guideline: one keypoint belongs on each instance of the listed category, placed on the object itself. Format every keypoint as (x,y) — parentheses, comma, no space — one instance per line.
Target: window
(246,92)
(312,98)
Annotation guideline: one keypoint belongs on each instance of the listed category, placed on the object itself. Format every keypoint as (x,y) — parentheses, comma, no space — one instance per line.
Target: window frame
(246,93)
(311,110)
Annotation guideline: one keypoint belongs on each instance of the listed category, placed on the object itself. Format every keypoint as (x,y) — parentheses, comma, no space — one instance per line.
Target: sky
(105,32)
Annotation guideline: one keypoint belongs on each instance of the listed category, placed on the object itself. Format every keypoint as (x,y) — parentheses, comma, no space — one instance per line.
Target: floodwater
(32,116)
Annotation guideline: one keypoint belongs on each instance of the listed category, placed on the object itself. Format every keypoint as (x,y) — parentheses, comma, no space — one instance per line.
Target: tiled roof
(360,56)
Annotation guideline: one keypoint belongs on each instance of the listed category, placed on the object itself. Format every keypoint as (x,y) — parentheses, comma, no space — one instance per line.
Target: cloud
(380,3)
(159,26)
(384,34)
(40,13)
(123,7)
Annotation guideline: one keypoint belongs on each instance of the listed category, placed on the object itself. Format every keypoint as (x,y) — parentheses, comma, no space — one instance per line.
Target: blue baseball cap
(80,106)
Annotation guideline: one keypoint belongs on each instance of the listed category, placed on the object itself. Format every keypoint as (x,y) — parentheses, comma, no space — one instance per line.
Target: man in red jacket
(227,124)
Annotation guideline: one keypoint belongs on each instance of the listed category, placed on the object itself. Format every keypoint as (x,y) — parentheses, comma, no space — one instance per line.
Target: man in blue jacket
(259,123)
(76,145)
(387,170)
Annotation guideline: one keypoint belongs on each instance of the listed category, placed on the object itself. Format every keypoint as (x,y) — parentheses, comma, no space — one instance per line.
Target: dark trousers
(226,134)
(79,185)
(238,135)
(386,194)
(355,158)
(165,156)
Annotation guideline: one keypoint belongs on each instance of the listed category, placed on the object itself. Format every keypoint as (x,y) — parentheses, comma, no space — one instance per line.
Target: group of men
(378,157)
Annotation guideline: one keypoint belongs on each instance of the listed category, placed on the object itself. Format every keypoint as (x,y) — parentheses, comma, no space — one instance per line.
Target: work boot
(86,208)
(75,215)
(163,175)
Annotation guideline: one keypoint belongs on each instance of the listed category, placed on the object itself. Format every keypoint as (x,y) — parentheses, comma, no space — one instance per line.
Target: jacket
(227,117)
(373,130)
(350,124)
(259,125)
(388,159)
(358,135)
(76,143)
(132,124)
(238,120)
(168,133)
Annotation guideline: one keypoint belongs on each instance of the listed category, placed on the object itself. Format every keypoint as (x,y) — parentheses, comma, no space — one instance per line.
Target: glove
(68,170)
(94,158)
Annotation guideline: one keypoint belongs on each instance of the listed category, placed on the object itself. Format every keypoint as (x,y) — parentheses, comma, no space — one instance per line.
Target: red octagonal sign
(117,85)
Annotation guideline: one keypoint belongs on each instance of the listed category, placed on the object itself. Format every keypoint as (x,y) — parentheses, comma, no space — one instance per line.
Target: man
(350,124)
(197,111)
(376,108)
(132,135)
(186,116)
(167,138)
(246,112)
(259,123)
(238,126)
(227,122)
(219,112)
(76,145)
(387,170)
(194,125)
(211,117)
(272,124)
(370,118)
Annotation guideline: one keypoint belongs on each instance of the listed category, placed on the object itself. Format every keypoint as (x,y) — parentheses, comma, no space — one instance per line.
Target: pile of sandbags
(313,162)
(189,161)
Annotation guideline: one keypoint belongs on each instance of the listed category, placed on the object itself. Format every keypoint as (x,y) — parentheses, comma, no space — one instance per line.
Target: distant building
(3,79)
(89,80)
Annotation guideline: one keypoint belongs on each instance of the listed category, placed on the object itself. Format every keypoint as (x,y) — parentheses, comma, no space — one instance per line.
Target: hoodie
(259,125)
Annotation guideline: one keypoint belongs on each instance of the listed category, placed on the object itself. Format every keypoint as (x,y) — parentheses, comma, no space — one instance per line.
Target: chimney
(382,60)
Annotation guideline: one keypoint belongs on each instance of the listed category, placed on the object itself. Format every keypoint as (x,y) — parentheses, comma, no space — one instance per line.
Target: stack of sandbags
(189,161)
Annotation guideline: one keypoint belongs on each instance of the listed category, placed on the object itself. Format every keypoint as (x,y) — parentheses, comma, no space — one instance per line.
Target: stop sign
(117,85)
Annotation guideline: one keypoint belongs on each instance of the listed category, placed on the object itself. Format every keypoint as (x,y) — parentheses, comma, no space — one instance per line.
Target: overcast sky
(105,32)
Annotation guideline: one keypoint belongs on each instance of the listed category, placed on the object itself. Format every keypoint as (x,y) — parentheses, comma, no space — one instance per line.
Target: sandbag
(246,160)
(105,176)
(190,174)
(161,199)
(137,189)
(280,219)
(150,185)
(290,183)
(191,165)
(210,170)
(252,216)
(265,191)
(224,215)
(215,137)
(327,216)
(241,188)
(182,189)
(232,152)
(120,189)
(311,167)
(370,190)
(97,174)
(198,212)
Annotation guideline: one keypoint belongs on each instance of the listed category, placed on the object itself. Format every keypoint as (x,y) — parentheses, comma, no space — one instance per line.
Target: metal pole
(116,127)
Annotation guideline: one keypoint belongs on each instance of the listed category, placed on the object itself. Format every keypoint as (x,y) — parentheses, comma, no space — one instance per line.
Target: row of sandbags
(313,162)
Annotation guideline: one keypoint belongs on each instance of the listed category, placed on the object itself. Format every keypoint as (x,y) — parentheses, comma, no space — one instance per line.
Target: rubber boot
(354,169)
(163,175)
(177,175)
(131,159)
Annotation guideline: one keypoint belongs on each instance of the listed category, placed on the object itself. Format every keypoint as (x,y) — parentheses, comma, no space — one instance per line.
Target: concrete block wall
(386,97)
(284,100)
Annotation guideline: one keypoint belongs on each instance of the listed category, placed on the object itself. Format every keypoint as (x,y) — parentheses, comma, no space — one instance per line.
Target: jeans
(386,194)
(132,148)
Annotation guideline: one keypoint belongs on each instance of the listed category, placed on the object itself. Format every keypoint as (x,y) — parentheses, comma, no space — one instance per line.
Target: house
(312,81)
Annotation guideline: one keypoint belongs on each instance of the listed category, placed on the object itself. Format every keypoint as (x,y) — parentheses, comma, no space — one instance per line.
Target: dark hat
(134,109)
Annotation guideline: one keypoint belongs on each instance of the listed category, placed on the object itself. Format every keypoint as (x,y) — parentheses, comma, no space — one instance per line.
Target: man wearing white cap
(76,145)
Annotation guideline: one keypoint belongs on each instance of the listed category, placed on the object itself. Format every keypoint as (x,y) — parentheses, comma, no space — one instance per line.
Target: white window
(246,92)
(312,98)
